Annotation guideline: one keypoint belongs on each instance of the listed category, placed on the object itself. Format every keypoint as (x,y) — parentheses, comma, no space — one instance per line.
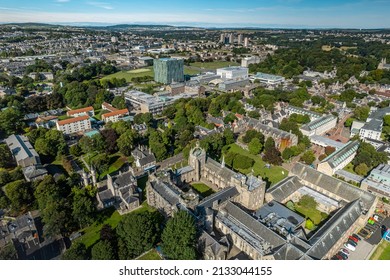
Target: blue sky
(220,13)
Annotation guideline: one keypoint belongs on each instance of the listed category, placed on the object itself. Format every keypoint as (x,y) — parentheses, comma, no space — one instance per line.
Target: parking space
(363,249)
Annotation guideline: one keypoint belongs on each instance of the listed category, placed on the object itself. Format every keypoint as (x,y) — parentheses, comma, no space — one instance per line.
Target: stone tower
(197,160)
(252,192)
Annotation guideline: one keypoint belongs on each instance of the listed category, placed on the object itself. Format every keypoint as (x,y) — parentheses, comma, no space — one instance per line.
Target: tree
(272,156)
(269,144)
(309,224)
(287,153)
(20,195)
(179,237)
(308,202)
(348,122)
(242,162)
(4,201)
(53,206)
(254,114)
(11,121)
(126,142)
(119,102)
(75,150)
(362,169)
(255,146)
(250,134)
(329,150)
(6,159)
(83,208)
(8,252)
(77,251)
(308,157)
(103,250)
(137,233)
(386,120)
(110,137)
(361,113)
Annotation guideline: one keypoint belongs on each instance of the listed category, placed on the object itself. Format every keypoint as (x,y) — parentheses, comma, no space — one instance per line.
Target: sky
(206,13)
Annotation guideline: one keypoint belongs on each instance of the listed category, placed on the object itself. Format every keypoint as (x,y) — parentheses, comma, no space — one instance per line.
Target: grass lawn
(116,162)
(110,216)
(382,252)
(312,214)
(91,234)
(128,75)
(188,71)
(214,64)
(202,189)
(142,72)
(151,255)
(63,117)
(274,174)
(349,168)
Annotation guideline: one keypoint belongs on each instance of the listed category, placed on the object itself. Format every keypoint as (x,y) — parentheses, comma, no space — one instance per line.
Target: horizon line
(193,25)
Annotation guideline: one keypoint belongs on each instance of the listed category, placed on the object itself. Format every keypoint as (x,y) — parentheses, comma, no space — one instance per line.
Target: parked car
(353,239)
(334,258)
(339,257)
(345,251)
(349,247)
(352,242)
(356,236)
(344,256)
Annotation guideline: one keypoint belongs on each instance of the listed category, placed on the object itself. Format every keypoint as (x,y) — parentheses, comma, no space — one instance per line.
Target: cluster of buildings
(242,217)
(26,157)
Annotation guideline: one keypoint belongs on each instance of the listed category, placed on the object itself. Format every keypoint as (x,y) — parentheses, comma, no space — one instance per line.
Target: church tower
(197,160)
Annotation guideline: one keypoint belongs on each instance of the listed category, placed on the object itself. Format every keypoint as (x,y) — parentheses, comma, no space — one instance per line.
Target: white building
(115,116)
(339,159)
(246,61)
(74,125)
(378,182)
(319,126)
(371,130)
(88,111)
(268,79)
(233,73)
(147,103)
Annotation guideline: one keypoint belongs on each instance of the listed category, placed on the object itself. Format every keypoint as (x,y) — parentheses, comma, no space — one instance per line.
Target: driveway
(363,250)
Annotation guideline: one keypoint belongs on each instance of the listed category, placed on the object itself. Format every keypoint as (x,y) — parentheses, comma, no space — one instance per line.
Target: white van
(349,247)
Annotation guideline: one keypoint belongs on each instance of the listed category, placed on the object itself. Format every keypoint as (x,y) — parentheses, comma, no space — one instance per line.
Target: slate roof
(20,147)
(334,229)
(220,196)
(333,185)
(166,191)
(288,252)
(285,188)
(264,240)
(123,180)
(34,171)
(216,167)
